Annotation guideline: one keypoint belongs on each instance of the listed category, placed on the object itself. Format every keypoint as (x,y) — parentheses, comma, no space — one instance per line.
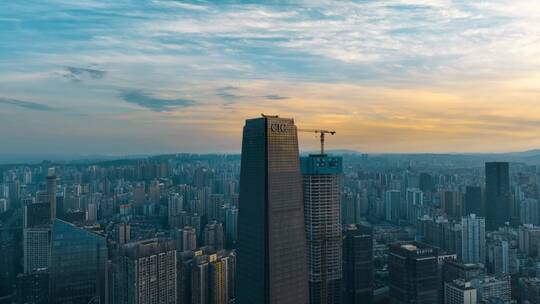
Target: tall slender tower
(51,192)
(272,263)
(497,195)
(358,265)
(322,210)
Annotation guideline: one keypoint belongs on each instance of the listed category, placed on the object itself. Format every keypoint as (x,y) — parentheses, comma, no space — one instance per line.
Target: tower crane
(321,132)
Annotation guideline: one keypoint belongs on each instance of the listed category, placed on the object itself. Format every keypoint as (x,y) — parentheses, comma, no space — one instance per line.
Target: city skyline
(126,78)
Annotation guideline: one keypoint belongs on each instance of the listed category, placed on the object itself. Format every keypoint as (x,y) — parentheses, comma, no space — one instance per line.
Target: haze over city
(139,77)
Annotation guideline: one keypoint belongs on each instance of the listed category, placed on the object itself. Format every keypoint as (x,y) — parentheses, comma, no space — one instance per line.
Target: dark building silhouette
(272,263)
(322,209)
(454,270)
(413,273)
(474,201)
(33,288)
(51,193)
(426,183)
(497,195)
(358,266)
(78,265)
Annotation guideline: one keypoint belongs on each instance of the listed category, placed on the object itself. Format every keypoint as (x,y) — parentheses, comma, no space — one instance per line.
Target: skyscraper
(413,273)
(78,264)
(497,194)
(321,175)
(474,201)
(272,263)
(358,266)
(51,192)
(36,242)
(473,239)
(213,235)
(392,204)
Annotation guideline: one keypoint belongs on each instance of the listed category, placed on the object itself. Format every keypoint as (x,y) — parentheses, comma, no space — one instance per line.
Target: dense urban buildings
(272,262)
(338,227)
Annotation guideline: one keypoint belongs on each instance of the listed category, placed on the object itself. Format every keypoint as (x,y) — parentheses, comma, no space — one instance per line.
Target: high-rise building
(358,265)
(51,192)
(498,197)
(414,204)
(37,214)
(492,288)
(33,288)
(207,279)
(272,262)
(413,273)
(231,226)
(189,238)
(453,270)
(452,204)
(78,264)
(36,248)
(145,272)
(213,235)
(473,239)
(459,292)
(124,233)
(322,215)
(392,205)
(498,257)
(474,201)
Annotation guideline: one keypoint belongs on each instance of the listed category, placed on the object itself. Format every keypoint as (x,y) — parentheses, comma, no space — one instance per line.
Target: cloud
(275,97)
(77,74)
(27,104)
(155,104)
(228,94)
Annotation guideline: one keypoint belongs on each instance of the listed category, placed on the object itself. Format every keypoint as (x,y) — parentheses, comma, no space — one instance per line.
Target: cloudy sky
(130,77)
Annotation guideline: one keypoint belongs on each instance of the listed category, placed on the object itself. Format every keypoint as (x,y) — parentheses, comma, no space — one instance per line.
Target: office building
(497,195)
(358,265)
(454,270)
(36,248)
(51,192)
(322,216)
(78,264)
(473,239)
(33,288)
(413,273)
(474,201)
(272,262)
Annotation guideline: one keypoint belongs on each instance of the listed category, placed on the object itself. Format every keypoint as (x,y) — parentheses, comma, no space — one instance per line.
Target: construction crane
(321,132)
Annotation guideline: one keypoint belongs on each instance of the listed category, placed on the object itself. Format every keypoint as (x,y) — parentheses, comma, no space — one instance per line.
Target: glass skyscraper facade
(358,265)
(78,264)
(497,195)
(272,263)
